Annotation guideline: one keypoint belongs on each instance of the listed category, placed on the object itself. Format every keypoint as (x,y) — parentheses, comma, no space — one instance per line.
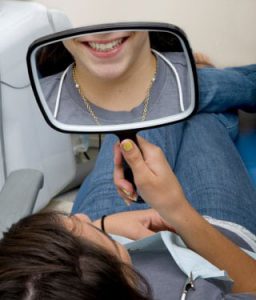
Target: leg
(230,88)
(213,175)
(98,195)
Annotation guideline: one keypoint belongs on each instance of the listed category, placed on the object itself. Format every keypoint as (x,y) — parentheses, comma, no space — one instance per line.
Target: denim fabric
(97,195)
(213,175)
(226,90)
(221,90)
(199,150)
(246,145)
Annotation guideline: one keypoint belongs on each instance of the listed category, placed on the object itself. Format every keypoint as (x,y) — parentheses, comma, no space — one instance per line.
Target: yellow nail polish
(127,146)
(126,192)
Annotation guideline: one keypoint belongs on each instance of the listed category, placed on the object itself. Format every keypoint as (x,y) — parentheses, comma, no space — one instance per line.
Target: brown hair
(40,259)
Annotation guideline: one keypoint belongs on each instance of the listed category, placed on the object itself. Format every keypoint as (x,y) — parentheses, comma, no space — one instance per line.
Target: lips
(105,48)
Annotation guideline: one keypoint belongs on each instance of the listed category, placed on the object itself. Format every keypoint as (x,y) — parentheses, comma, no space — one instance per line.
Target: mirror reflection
(114,78)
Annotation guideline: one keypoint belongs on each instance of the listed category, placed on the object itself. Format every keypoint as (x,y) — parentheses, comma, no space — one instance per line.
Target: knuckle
(142,181)
(133,157)
(158,150)
(157,153)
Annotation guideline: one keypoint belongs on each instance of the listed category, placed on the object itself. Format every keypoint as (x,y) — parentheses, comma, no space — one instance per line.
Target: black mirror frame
(124,26)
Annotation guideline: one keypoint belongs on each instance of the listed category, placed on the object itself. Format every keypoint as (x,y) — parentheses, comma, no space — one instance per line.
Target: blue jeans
(223,89)
(199,150)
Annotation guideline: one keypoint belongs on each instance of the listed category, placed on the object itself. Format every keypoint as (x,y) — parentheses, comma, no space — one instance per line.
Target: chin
(109,74)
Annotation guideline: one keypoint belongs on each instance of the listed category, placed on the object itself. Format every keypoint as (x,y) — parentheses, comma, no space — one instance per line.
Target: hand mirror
(113,77)
(118,78)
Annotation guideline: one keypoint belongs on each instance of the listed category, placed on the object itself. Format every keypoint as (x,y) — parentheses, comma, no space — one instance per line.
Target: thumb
(133,156)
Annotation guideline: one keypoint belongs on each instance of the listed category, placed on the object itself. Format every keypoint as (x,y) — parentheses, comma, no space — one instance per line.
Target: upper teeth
(106,46)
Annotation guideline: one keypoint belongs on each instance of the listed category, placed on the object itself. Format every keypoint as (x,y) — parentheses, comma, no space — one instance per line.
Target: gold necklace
(89,108)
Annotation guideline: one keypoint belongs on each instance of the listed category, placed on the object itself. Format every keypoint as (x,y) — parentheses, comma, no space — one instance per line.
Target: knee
(213,122)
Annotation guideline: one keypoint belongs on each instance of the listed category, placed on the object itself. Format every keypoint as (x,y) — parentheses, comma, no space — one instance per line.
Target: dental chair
(36,162)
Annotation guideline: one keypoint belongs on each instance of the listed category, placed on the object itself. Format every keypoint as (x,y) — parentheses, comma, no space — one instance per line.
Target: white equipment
(26,141)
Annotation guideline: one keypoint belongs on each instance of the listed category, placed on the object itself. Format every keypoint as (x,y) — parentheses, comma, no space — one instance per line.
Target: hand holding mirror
(117,78)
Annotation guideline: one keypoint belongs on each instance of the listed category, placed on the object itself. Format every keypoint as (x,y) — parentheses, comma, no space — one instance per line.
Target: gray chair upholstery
(18,196)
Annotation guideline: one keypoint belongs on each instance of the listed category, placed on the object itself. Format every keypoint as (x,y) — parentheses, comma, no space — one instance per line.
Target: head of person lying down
(53,256)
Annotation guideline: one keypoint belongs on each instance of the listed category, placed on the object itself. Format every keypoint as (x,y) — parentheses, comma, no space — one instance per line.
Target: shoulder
(49,86)
(49,83)
(178,58)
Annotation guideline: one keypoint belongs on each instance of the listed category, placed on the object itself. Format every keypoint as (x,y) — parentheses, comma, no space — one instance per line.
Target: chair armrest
(18,196)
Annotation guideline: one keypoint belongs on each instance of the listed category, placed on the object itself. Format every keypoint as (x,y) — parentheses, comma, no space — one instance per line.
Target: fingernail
(126,192)
(127,146)
(134,198)
(128,203)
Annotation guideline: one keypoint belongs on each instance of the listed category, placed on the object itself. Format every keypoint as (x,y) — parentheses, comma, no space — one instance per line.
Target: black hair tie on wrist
(102,223)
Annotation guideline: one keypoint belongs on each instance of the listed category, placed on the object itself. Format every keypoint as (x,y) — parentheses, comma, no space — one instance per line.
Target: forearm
(160,188)
(131,224)
(204,239)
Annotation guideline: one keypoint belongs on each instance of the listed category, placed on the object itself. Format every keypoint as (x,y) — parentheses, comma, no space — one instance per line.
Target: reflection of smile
(105,46)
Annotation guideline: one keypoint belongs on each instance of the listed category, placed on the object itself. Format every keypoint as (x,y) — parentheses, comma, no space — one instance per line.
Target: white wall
(223,29)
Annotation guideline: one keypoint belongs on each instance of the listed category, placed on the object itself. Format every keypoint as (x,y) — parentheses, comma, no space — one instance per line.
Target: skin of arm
(160,188)
(134,225)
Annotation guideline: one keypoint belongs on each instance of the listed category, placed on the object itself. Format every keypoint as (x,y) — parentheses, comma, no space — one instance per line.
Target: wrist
(96,223)
(179,217)
(100,223)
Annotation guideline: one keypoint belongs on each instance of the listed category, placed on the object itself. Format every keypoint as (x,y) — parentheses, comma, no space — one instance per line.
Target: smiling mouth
(106,46)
